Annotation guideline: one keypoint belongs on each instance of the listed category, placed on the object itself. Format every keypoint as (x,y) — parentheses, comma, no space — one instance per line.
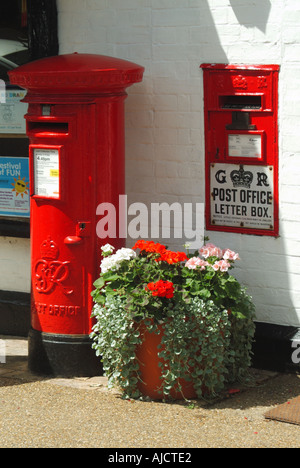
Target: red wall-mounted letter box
(241,148)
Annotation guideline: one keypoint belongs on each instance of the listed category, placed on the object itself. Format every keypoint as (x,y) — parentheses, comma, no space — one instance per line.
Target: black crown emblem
(241,178)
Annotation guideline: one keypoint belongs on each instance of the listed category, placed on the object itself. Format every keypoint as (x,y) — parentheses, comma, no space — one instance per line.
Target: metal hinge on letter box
(83,229)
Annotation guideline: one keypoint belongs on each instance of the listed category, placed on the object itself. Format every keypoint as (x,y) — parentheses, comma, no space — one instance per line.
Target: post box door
(61,200)
(241,148)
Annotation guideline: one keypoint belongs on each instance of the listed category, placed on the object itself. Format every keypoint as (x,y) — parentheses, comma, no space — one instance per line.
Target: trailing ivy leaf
(201,342)
(98,297)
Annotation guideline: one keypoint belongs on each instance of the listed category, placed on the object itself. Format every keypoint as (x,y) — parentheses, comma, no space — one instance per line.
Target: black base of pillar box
(62,355)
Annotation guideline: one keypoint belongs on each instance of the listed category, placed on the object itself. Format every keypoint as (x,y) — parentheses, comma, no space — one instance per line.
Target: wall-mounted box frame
(241,148)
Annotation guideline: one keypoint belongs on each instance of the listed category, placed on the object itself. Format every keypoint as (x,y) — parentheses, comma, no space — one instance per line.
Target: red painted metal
(75,124)
(249,93)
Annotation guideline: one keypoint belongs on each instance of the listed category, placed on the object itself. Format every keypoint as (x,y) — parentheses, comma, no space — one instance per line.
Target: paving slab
(43,412)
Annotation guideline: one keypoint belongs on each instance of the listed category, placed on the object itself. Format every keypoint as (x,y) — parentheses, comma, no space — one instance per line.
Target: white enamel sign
(242,196)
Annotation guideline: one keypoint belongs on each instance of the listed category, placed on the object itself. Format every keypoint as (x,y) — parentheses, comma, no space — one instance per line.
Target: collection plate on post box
(247,146)
(46,172)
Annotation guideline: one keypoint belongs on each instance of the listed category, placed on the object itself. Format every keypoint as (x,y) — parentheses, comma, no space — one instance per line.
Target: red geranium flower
(149,246)
(161,289)
(172,257)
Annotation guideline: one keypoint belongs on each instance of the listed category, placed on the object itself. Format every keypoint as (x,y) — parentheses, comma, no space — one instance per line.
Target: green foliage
(207,318)
(196,346)
(115,339)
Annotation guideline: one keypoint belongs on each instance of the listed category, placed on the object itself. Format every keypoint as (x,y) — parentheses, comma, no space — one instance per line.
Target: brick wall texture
(165,120)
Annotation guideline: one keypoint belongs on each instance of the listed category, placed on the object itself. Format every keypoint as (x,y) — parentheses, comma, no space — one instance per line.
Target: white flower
(107,248)
(114,261)
(125,254)
(107,264)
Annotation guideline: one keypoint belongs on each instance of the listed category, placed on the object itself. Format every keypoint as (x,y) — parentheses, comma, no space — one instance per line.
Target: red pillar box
(75,124)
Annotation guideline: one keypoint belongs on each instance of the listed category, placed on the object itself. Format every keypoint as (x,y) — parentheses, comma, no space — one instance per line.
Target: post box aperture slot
(241,102)
(46,168)
(48,128)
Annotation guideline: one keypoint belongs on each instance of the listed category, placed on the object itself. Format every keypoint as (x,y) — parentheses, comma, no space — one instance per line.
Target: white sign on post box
(244,146)
(46,172)
(242,195)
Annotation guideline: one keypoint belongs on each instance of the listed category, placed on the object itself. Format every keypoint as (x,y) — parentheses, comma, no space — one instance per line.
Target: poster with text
(14,187)
(12,112)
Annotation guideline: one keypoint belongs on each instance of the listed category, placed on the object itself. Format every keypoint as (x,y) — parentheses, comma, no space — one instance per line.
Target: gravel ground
(82,413)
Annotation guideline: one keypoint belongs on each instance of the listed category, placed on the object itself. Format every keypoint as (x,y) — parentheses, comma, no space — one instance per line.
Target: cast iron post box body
(75,124)
(241,148)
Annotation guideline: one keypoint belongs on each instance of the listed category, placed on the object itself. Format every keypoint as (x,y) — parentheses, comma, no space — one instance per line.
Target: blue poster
(14,187)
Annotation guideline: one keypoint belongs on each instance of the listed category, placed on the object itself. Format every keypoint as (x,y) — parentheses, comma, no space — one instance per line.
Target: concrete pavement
(43,412)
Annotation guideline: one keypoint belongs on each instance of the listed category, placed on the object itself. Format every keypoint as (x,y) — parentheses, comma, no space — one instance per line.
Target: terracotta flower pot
(151,374)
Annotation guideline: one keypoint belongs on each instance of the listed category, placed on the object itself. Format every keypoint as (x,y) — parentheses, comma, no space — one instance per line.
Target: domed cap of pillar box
(75,74)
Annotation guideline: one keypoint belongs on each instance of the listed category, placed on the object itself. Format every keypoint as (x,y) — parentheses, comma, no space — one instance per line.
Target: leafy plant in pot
(171,325)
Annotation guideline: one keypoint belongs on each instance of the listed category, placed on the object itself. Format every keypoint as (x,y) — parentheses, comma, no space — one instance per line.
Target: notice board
(14,187)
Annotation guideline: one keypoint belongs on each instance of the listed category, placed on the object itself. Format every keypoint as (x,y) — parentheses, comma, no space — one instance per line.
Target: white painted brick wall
(14,264)
(164,113)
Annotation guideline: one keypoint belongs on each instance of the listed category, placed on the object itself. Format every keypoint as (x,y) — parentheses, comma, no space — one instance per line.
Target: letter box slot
(240,102)
(54,128)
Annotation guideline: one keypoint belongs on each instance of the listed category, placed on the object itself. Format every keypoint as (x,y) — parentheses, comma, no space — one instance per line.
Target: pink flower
(230,255)
(195,262)
(210,250)
(221,265)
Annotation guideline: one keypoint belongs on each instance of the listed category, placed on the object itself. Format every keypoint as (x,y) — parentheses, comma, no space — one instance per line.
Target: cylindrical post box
(75,124)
